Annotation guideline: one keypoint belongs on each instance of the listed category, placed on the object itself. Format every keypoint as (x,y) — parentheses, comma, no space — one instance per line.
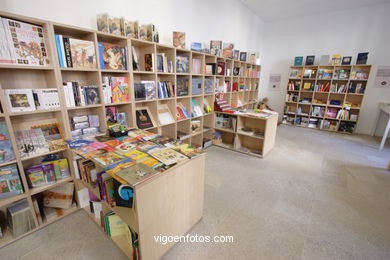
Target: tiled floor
(317,195)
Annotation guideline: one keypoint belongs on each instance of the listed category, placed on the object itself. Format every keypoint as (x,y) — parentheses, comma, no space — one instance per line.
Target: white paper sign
(382,78)
(274,82)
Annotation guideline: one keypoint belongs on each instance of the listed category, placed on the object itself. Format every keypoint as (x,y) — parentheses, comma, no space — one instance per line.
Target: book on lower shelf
(22,43)
(209,85)
(19,218)
(163,64)
(10,183)
(182,86)
(7,153)
(182,112)
(21,100)
(77,95)
(165,89)
(143,118)
(196,86)
(145,90)
(196,111)
(116,89)
(164,115)
(85,125)
(48,172)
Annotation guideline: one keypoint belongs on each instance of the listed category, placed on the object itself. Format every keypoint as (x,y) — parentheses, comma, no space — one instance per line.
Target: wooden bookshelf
(52,76)
(259,144)
(317,97)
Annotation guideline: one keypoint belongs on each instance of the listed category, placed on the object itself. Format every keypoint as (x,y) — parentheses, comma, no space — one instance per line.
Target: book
(59,197)
(121,119)
(20,100)
(10,184)
(196,86)
(179,40)
(164,115)
(131,29)
(336,60)
(298,61)
(196,46)
(346,60)
(102,22)
(167,156)
(195,126)
(324,61)
(196,111)
(196,66)
(26,43)
(227,51)
(181,112)
(136,155)
(111,114)
(112,56)
(139,91)
(309,60)
(135,61)
(188,150)
(243,56)
(114,25)
(182,86)
(216,48)
(208,85)
(46,98)
(6,151)
(143,119)
(149,62)
(116,89)
(362,58)
(182,63)
(221,68)
(83,54)
(19,218)
(236,54)
(137,174)
(108,159)
(145,32)
(165,89)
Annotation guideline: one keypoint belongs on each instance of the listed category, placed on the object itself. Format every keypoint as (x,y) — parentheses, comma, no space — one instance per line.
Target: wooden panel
(170,205)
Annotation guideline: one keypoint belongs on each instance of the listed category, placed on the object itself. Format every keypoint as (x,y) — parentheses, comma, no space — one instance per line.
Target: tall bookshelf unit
(53,76)
(301,102)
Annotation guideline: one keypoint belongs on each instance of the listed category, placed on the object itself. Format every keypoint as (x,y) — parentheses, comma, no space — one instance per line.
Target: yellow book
(307,85)
(117,226)
(136,155)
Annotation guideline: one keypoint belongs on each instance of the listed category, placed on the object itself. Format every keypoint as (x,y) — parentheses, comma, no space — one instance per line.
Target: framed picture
(20,100)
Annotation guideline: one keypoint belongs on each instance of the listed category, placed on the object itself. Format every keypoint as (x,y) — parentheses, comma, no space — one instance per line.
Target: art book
(108,159)
(10,184)
(26,43)
(143,119)
(102,22)
(152,163)
(116,167)
(6,151)
(179,40)
(188,150)
(112,56)
(20,100)
(90,147)
(113,143)
(227,51)
(137,174)
(215,48)
(167,156)
(120,91)
(146,146)
(182,86)
(131,29)
(136,155)
(98,152)
(125,147)
(83,54)
(182,63)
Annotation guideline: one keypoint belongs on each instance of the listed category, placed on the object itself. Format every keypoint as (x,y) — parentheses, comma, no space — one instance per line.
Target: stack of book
(47,172)
(165,89)
(145,90)
(21,100)
(116,89)
(85,125)
(75,53)
(19,218)
(76,95)
(22,43)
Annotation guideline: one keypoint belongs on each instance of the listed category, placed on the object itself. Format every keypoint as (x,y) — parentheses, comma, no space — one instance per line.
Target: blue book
(59,50)
(101,59)
(298,61)
(159,90)
(196,46)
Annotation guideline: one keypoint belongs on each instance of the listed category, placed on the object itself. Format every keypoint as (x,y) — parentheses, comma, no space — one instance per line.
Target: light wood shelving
(293,105)
(53,76)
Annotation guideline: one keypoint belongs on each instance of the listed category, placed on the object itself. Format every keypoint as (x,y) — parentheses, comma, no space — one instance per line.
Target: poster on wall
(382,77)
(274,82)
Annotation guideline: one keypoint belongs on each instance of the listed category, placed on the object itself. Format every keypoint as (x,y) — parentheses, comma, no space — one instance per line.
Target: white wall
(202,20)
(342,32)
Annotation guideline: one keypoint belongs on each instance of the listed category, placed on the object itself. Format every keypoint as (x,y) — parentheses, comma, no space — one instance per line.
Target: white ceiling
(272,10)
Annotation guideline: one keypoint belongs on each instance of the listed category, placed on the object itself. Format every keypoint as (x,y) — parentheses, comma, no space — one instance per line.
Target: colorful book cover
(216,48)
(6,151)
(113,56)
(298,61)
(108,159)
(116,167)
(136,155)
(167,156)
(113,143)
(83,54)
(188,150)
(151,162)
(146,146)
(120,89)
(10,184)
(98,152)
(179,40)
(111,114)
(90,147)
(125,147)
(137,174)
(143,119)
(228,50)
(28,43)
(35,176)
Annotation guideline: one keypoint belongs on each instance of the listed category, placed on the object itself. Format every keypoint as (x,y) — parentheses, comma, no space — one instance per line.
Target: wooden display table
(258,142)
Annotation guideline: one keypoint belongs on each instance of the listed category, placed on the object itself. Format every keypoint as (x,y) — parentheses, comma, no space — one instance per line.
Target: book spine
(64,61)
(68,53)
(101,56)
(59,51)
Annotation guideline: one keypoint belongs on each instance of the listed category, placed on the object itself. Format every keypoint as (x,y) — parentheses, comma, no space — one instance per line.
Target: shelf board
(117,104)
(12,199)
(79,69)
(224,130)
(250,135)
(143,72)
(84,107)
(42,154)
(114,71)
(170,98)
(146,100)
(182,120)
(7,163)
(166,73)
(25,67)
(34,112)
(49,186)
